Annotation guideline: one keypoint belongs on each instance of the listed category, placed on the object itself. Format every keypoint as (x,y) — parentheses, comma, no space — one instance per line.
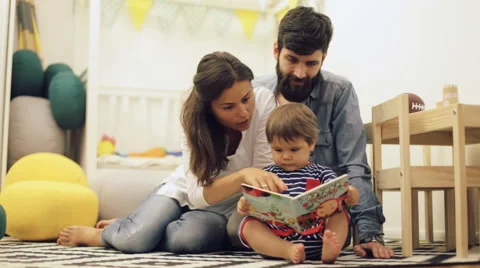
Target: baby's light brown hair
(291,121)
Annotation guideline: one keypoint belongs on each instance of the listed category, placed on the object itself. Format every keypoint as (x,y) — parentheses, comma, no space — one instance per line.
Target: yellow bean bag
(44,193)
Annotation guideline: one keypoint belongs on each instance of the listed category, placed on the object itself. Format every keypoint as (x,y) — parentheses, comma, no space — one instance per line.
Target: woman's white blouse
(253,151)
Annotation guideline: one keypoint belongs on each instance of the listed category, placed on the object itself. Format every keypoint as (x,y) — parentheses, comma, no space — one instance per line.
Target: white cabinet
(7,26)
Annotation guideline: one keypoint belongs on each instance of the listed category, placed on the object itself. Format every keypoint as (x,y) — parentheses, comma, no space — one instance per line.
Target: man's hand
(243,206)
(376,249)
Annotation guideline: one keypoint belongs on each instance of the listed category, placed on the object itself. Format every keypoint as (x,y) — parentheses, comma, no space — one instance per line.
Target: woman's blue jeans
(160,224)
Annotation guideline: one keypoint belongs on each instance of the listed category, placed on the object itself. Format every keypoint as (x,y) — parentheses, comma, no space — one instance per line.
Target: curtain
(28,34)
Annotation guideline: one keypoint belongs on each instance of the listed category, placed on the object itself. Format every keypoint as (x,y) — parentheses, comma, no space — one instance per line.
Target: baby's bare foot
(296,253)
(331,247)
(104,223)
(80,236)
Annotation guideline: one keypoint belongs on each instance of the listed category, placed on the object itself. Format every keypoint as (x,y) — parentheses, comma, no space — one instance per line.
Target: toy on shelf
(106,146)
(415,103)
(450,95)
(154,152)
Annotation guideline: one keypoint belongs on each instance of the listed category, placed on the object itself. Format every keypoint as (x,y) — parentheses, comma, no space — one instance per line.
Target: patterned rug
(14,253)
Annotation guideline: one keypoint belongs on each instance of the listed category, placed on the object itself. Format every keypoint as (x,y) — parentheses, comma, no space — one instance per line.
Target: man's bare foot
(296,253)
(331,247)
(80,236)
(104,223)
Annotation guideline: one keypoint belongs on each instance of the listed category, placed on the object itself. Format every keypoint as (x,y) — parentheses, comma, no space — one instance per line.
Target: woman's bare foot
(104,223)
(80,236)
(296,253)
(331,247)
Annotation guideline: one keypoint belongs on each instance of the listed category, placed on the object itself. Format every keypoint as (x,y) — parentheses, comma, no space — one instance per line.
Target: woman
(224,145)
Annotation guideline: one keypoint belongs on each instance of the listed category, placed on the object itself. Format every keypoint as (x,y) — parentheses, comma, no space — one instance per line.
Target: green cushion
(27,74)
(67,100)
(50,72)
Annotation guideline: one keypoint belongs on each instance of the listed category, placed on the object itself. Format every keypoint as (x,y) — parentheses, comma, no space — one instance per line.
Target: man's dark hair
(303,30)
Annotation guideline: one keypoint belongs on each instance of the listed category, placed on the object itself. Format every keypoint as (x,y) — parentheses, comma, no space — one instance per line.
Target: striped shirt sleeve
(325,174)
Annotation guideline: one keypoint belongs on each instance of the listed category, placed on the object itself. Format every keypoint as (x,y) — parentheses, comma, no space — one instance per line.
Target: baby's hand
(243,206)
(352,196)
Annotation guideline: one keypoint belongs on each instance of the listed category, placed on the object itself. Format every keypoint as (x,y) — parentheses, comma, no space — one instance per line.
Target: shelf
(426,178)
(430,127)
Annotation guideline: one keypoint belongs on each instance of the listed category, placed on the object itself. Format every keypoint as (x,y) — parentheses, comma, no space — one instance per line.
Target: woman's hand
(243,206)
(263,179)
(352,196)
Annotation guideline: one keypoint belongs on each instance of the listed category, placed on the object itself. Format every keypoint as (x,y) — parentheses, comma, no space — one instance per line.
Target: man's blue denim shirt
(341,143)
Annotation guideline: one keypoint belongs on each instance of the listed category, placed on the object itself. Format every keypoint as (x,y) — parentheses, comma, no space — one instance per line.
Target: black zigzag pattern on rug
(15,254)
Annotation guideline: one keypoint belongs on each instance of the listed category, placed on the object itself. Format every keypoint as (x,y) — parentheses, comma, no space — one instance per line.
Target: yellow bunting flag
(138,10)
(292,3)
(281,14)
(248,19)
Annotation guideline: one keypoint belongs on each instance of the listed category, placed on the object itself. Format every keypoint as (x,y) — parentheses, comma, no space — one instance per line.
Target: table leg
(461,217)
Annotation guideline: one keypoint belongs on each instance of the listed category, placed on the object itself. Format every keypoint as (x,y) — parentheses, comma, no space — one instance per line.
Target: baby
(292,132)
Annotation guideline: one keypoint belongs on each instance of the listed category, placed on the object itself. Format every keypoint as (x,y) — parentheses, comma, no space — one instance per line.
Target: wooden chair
(454,125)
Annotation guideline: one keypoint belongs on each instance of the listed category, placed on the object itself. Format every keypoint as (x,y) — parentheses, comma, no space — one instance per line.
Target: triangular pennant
(248,19)
(194,16)
(281,14)
(109,10)
(222,20)
(292,3)
(165,13)
(81,6)
(138,11)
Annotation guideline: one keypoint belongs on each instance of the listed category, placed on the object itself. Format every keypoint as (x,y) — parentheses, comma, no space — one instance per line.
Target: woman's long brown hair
(206,137)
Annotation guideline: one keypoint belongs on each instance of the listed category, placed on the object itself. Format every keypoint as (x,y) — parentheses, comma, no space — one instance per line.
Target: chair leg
(405,177)
(356,240)
(415,221)
(427,161)
(449,219)
(460,183)
(428,217)
(472,197)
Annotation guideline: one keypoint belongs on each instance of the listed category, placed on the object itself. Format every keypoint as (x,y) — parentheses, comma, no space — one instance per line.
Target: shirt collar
(316,90)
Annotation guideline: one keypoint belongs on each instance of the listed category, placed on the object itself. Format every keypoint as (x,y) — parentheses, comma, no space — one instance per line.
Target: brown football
(415,103)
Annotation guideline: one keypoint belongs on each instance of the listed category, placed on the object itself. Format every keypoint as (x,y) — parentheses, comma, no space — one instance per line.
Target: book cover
(301,212)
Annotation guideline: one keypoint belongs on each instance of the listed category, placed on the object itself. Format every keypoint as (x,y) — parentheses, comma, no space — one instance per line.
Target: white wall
(154,57)
(390,47)
(167,58)
(57,33)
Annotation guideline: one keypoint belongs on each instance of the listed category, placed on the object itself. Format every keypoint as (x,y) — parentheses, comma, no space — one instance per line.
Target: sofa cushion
(67,100)
(32,129)
(39,210)
(50,72)
(27,74)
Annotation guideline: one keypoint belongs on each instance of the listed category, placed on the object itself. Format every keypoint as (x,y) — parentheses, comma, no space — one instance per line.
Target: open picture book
(301,212)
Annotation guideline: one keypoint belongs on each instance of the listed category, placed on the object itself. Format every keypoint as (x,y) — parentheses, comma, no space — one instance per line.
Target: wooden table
(457,125)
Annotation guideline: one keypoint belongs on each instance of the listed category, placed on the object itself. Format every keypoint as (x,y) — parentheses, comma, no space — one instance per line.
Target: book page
(320,202)
(301,212)
(270,207)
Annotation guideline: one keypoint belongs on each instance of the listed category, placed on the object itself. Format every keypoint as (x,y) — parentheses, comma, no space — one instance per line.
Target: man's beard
(295,93)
